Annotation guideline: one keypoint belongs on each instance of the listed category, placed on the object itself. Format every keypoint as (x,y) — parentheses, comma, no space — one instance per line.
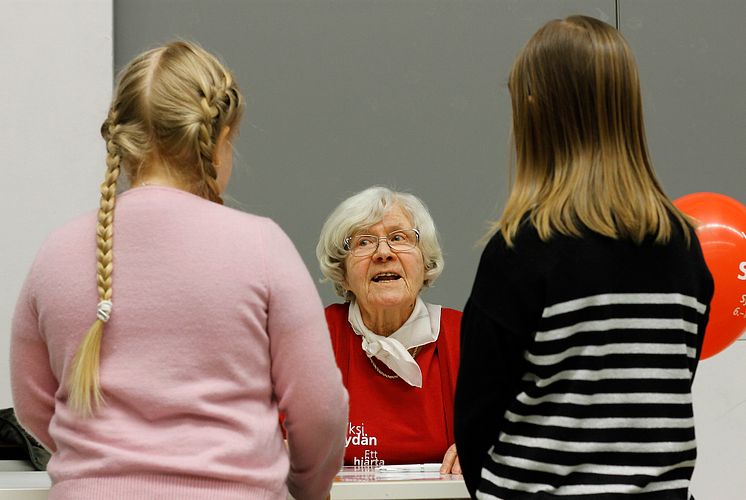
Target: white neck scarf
(422,327)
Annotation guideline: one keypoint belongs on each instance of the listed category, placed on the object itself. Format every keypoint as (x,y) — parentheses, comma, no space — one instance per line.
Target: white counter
(18,481)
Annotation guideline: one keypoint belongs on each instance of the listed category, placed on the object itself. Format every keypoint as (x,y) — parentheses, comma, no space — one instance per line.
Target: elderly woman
(398,354)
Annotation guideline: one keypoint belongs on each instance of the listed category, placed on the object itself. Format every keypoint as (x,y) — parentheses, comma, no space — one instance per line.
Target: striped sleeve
(493,341)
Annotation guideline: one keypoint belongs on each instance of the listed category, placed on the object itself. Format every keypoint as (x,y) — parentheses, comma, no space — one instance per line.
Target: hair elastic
(103,311)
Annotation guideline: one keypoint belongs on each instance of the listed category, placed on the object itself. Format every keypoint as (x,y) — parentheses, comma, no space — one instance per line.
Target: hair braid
(105,229)
(84,386)
(168,110)
(207,138)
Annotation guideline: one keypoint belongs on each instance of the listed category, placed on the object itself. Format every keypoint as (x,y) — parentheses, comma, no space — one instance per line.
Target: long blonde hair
(581,154)
(169,106)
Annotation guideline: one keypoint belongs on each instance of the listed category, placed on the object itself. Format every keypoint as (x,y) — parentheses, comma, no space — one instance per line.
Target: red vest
(392,422)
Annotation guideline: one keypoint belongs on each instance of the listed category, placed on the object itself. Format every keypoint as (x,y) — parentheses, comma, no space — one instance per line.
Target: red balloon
(722,235)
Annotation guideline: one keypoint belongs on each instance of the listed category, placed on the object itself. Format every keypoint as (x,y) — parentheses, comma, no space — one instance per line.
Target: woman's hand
(450,462)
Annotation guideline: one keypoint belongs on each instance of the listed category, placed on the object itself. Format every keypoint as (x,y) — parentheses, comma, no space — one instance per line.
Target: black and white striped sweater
(577,362)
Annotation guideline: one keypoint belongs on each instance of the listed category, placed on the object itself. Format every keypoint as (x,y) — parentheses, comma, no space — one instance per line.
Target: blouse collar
(422,327)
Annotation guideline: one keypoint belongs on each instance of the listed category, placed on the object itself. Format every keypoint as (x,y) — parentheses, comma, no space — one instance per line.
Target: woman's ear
(222,146)
(222,158)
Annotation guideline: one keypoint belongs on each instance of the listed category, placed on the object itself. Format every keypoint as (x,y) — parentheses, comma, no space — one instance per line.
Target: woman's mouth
(384,277)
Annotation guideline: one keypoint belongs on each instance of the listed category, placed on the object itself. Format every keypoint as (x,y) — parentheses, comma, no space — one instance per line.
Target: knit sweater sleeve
(32,381)
(307,382)
(495,330)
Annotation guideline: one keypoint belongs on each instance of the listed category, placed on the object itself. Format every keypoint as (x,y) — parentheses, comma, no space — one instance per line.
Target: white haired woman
(380,249)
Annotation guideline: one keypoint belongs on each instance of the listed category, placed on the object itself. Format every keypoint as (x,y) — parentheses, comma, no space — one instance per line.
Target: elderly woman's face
(386,279)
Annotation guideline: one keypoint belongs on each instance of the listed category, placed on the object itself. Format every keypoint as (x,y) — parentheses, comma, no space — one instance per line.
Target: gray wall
(692,59)
(411,93)
(347,94)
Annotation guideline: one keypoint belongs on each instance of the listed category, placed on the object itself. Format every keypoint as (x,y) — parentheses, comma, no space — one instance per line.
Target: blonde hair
(581,154)
(363,210)
(169,106)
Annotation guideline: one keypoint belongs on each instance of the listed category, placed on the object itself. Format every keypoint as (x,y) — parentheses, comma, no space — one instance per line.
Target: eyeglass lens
(366,244)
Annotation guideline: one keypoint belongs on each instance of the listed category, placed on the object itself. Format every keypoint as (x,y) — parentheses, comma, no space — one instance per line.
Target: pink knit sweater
(216,327)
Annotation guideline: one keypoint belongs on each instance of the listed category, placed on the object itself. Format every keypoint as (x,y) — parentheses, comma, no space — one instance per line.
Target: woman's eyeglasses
(362,245)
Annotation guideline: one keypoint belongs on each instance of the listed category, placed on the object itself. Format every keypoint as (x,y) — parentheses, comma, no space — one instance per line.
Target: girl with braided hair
(207,325)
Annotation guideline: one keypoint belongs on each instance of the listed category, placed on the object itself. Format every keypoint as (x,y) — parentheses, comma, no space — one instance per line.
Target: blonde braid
(206,143)
(84,387)
(169,107)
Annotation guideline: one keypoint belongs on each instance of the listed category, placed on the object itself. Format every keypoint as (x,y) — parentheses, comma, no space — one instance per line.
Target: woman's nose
(383,252)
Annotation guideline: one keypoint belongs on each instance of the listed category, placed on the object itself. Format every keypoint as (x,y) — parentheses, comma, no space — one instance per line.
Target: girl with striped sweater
(584,327)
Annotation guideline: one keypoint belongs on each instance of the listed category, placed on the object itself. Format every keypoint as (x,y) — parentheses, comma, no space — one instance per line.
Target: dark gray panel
(347,94)
(692,59)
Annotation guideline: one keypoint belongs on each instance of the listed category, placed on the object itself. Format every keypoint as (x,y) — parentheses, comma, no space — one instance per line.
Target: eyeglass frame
(348,239)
